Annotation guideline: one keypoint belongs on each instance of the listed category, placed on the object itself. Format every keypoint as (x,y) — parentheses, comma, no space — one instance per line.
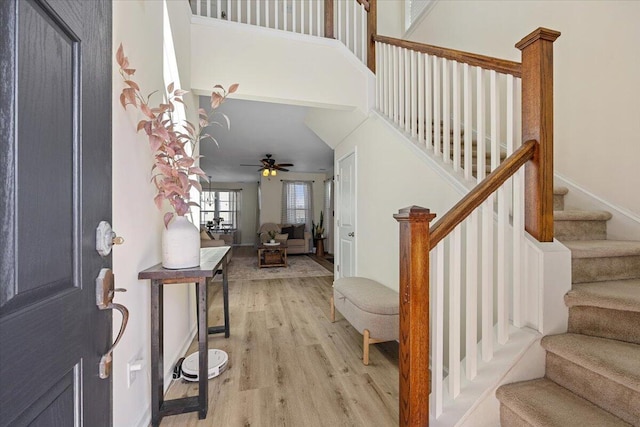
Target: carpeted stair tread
(560,191)
(616,360)
(602,248)
(576,215)
(613,295)
(543,403)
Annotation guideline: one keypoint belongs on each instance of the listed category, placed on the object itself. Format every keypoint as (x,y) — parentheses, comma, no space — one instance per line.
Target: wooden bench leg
(365,347)
(333,310)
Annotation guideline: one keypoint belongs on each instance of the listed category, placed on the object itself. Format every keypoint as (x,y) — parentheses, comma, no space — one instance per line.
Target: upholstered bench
(371,308)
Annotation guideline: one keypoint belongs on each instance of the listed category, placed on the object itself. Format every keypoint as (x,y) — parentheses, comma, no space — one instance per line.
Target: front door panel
(55,174)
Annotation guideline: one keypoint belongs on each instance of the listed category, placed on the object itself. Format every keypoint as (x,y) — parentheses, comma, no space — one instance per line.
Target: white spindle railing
(298,16)
(469,117)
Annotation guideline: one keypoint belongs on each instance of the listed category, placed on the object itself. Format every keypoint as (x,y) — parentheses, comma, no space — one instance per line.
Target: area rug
(246,268)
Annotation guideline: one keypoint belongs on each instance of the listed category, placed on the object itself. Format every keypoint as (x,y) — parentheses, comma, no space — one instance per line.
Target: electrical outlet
(133,368)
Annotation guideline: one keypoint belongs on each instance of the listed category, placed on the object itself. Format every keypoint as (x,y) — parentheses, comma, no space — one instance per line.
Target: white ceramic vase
(180,244)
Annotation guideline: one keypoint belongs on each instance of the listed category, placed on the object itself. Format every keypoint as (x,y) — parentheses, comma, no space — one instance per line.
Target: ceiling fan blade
(282,169)
(251,165)
(284,165)
(265,162)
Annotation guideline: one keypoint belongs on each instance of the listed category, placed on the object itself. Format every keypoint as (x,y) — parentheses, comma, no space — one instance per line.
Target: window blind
(297,204)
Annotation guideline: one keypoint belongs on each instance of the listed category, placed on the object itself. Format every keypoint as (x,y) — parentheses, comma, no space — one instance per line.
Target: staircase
(592,373)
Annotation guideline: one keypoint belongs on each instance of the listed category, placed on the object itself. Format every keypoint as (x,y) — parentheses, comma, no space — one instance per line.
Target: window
(296,203)
(220,207)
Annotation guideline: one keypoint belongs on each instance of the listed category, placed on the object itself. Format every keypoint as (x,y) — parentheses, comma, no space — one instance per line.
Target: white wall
(391,18)
(597,64)
(139,26)
(277,66)
(271,191)
(389,176)
(248,207)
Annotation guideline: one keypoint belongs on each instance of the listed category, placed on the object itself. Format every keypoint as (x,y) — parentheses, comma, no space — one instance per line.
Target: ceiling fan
(270,167)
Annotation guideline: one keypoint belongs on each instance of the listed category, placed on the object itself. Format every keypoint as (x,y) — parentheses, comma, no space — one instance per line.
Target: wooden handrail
(481,192)
(482,61)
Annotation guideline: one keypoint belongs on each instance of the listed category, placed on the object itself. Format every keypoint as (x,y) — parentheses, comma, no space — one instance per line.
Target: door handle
(104,300)
(352,234)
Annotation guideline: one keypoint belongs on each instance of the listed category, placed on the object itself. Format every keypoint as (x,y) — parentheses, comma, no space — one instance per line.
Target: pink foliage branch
(173,166)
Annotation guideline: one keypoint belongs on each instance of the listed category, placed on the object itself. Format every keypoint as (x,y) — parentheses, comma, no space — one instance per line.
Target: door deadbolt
(106,238)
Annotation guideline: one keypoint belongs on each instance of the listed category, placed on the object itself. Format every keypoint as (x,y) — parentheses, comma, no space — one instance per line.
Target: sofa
(284,233)
(213,240)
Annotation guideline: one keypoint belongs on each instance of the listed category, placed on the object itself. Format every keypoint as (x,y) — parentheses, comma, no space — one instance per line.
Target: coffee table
(272,255)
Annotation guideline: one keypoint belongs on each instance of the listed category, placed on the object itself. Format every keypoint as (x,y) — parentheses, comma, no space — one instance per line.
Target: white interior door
(346,209)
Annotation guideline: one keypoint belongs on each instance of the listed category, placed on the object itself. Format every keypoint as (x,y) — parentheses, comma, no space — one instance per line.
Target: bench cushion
(368,295)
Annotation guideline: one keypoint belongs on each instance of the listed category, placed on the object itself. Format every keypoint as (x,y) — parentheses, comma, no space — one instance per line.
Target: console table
(212,260)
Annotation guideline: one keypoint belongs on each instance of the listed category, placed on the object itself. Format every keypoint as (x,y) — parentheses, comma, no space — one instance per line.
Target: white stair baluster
(437,148)
(487,279)
(480,125)
(455,76)
(420,89)
(407,90)
(468,120)
(513,115)
(455,278)
(428,99)
(446,111)
(401,86)
(294,16)
(471,311)
(413,124)
(438,332)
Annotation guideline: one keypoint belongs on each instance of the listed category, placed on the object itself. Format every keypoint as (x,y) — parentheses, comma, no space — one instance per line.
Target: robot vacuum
(187,368)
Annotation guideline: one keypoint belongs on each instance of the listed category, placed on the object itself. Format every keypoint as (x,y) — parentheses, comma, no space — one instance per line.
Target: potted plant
(174,171)
(272,236)
(318,229)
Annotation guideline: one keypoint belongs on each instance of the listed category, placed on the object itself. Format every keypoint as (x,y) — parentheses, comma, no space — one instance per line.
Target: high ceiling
(258,128)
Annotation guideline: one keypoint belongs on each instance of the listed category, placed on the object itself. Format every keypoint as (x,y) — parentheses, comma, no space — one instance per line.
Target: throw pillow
(288,231)
(204,235)
(298,231)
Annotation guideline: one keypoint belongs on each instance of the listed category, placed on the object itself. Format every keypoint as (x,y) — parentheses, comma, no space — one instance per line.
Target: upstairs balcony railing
(353,22)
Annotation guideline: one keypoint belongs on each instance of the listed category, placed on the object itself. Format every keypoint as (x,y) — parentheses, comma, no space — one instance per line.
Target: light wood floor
(289,365)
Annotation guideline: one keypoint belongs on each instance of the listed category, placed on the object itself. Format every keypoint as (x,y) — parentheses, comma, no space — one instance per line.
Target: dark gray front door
(55,187)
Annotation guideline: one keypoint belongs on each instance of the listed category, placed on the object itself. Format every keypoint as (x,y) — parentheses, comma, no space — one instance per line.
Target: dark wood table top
(210,261)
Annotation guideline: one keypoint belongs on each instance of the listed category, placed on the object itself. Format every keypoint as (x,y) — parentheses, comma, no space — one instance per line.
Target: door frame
(337,207)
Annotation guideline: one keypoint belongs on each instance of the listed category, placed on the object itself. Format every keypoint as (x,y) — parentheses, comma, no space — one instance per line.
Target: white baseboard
(624,225)
(145,420)
(171,361)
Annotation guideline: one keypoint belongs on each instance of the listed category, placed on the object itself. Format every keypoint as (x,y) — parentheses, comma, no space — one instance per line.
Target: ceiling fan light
(273,172)
(265,172)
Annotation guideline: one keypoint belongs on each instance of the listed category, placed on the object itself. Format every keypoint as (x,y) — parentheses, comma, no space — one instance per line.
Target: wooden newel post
(372,30)
(414,315)
(328,19)
(537,124)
